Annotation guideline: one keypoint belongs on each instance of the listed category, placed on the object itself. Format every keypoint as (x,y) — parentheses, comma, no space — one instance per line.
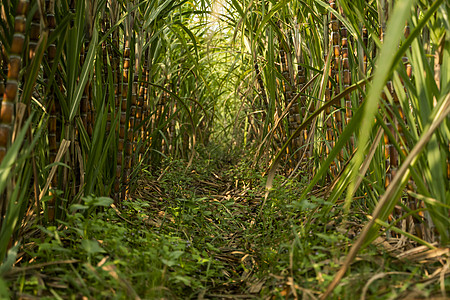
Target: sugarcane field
(225,149)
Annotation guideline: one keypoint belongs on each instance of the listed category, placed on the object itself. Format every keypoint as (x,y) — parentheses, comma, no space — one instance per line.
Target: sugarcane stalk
(362,60)
(123,141)
(293,113)
(89,25)
(329,117)
(366,45)
(84,103)
(448,163)
(346,73)
(327,93)
(72,11)
(139,94)
(347,79)
(144,105)
(35,30)
(172,126)
(54,125)
(132,126)
(115,61)
(264,102)
(335,70)
(160,107)
(106,50)
(131,119)
(412,202)
(2,71)
(303,108)
(90,102)
(146,127)
(140,109)
(11,88)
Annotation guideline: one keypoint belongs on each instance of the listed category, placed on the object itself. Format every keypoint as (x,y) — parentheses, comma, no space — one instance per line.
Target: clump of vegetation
(189,234)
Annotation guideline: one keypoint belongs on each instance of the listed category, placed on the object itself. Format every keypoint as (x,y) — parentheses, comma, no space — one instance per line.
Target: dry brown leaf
(256,286)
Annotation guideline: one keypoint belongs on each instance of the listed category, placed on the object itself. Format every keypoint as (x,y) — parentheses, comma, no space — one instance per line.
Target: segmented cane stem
(10,93)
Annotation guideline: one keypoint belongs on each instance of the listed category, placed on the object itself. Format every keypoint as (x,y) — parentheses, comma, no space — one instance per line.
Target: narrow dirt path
(216,212)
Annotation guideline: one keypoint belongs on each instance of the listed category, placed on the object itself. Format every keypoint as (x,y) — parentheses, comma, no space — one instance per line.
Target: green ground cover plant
(199,233)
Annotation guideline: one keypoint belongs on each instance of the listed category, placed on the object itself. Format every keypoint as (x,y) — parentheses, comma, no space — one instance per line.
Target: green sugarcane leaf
(385,67)
(261,26)
(84,76)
